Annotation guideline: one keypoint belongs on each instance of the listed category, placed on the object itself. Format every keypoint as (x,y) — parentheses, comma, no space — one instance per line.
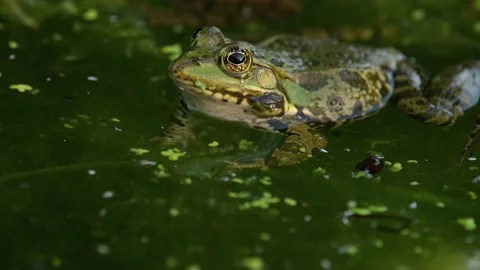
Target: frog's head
(224,78)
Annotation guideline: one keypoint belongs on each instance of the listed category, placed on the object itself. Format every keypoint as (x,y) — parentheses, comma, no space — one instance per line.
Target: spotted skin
(301,86)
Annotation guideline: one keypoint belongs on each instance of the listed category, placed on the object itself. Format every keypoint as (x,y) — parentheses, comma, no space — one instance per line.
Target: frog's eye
(236,60)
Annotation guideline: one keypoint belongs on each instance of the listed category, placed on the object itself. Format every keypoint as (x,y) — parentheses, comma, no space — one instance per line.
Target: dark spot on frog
(278,125)
(313,82)
(257,54)
(357,109)
(277,62)
(335,103)
(421,102)
(353,79)
(317,111)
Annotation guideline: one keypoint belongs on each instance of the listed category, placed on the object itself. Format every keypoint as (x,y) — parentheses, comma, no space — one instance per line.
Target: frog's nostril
(196,61)
(172,67)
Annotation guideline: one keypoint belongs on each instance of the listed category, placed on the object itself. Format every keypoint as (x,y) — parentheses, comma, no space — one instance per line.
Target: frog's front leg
(301,143)
(443,99)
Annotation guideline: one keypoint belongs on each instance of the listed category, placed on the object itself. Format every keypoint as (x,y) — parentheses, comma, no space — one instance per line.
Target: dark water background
(73,195)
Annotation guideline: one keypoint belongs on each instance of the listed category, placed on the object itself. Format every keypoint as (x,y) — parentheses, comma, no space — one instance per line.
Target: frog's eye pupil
(236,58)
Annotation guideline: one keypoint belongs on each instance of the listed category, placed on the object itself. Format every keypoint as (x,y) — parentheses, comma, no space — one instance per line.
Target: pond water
(77,191)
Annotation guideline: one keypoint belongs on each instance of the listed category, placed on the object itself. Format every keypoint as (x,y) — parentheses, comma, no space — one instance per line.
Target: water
(74,196)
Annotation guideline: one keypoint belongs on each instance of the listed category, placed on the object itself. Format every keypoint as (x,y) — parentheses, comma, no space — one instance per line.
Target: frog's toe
(442,120)
(283,158)
(319,143)
(445,117)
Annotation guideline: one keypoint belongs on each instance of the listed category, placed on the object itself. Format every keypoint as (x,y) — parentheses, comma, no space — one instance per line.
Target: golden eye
(236,60)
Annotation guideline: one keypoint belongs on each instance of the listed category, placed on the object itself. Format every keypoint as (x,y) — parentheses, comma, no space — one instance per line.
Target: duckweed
(245,145)
(161,172)
(21,87)
(90,14)
(213,144)
(468,223)
(266,180)
(173,51)
(396,167)
(173,154)
(319,170)
(139,151)
(289,201)
(253,263)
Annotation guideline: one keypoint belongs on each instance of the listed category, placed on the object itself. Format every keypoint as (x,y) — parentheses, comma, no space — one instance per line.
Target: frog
(301,86)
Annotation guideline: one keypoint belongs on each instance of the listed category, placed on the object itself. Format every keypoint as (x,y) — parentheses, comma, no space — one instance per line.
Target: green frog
(300,86)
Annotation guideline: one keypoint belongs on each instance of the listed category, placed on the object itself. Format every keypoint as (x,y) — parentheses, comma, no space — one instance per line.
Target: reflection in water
(384,223)
(74,185)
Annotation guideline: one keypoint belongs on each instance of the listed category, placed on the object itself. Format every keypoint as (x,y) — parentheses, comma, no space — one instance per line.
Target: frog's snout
(174,66)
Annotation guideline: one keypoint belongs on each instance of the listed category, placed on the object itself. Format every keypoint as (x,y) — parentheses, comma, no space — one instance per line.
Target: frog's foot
(441,100)
(438,111)
(302,143)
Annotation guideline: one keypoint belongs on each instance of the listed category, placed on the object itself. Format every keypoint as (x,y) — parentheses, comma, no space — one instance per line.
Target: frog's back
(337,81)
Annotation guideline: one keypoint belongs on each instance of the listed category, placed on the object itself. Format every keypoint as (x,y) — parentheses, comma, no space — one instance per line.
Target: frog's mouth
(262,104)
(229,94)
(216,103)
